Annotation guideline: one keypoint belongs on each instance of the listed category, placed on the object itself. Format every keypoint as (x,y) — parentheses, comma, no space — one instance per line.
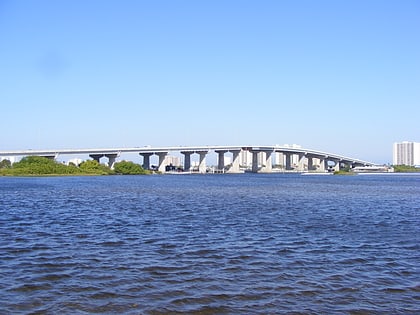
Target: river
(210,244)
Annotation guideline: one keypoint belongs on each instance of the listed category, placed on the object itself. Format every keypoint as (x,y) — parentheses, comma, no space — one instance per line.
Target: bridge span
(289,158)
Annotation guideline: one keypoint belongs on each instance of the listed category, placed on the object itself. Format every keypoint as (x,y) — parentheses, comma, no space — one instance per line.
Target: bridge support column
(255,161)
(162,156)
(187,160)
(337,165)
(146,160)
(268,162)
(288,161)
(97,157)
(221,160)
(310,163)
(235,162)
(301,163)
(323,164)
(111,159)
(202,168)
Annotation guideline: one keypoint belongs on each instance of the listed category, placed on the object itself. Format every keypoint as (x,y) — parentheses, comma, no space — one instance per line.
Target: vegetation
(129,168)
(5,164)
(36,166)
(346,170)
(405,169)
(343,172)
(94,167)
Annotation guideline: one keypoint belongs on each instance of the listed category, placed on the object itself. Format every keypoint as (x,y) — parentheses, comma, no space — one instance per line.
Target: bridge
(259,158)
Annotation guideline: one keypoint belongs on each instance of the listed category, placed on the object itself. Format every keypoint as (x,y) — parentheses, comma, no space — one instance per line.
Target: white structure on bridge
(255,158)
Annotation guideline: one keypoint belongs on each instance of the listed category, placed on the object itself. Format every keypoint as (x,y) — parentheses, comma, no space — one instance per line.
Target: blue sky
(337,76)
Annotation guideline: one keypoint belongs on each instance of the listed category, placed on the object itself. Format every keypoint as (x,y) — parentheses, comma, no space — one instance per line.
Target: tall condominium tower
(406,153)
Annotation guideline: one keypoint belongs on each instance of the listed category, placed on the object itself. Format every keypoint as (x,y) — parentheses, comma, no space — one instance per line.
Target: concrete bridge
(291,158)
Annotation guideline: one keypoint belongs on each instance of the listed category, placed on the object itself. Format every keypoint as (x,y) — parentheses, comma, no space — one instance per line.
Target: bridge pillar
(187,160)
(111,159)
(221,159)
(279,159)
(310,163)
(235,162)
(288,161)
(255,161)
(202,164)
(146,160)
(268,162)
(301,163)
(337,165)
(162,156)
(323,164)
(96,157)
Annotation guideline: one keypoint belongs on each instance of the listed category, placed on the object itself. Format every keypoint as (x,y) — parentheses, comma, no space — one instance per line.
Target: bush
(5,164)
(94,167)
(405,169)
(38,165)
(128,168)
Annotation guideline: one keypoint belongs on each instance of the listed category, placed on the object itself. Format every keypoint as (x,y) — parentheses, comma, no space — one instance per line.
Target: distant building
(75,161)
(227,160)
(406,153)
(172,160)
(245,158)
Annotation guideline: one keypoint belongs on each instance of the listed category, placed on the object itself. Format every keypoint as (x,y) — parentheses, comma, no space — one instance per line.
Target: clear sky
(337,76)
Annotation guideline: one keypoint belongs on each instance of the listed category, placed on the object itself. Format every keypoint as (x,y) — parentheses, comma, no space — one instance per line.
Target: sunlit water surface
(210,244)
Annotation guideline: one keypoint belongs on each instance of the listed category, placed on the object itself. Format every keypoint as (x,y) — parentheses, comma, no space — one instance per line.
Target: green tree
(94,167)
(5,164)
(38,165)
(35,165)
(128,168)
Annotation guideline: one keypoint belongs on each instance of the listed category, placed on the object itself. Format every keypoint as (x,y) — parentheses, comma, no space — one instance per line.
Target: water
(210,244)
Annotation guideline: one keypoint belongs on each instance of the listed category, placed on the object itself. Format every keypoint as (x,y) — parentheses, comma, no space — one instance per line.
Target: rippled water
(210,244)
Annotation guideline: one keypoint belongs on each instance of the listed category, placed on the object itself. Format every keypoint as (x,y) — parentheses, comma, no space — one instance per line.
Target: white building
(245,158)
(75,161)
(406,153)
(227,160)
(172,160)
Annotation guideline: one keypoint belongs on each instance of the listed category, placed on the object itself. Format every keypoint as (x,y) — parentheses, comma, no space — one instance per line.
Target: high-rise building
(406,153)
(245,158)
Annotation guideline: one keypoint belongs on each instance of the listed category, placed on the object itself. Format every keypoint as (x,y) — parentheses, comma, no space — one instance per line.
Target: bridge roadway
(307,159)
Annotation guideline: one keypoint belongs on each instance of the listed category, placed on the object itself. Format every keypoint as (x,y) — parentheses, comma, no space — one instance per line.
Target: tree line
(37,165)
